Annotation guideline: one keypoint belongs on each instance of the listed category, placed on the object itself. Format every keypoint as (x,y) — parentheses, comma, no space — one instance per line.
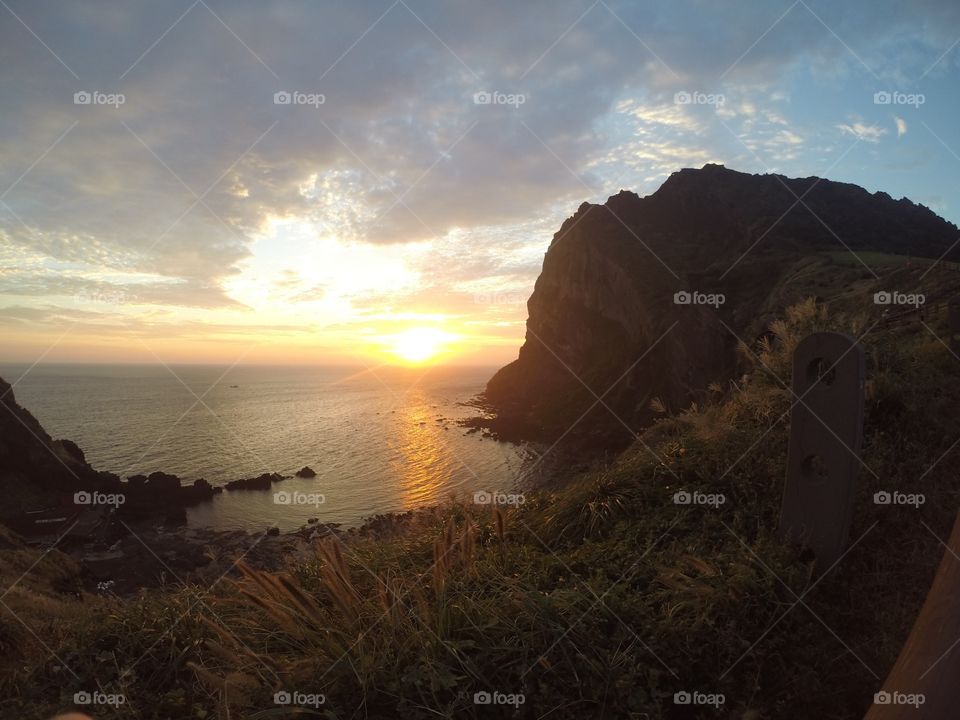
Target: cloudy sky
(204,181)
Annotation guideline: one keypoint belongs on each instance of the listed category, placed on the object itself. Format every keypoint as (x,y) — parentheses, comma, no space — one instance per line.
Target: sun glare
(418,345)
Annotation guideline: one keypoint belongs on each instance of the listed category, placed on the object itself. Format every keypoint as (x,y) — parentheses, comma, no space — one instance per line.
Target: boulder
(262,482)
(160,482)
(136,482)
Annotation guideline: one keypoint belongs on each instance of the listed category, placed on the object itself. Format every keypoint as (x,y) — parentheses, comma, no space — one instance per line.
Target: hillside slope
(602,598)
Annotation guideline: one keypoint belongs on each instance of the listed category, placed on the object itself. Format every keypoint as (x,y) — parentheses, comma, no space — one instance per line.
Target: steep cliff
(32,464)
(606,329)
(37,471)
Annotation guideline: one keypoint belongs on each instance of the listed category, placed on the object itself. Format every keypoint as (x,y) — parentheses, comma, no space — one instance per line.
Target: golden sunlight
(420,344)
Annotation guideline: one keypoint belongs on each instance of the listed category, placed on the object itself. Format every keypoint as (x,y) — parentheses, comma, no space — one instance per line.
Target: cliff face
(37,471)
(603,321)
(32,462)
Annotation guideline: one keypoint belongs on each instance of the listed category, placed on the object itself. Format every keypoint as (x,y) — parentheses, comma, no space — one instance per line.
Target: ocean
(382,440)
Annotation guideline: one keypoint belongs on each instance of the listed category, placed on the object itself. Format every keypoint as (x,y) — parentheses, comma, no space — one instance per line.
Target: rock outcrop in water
(261,482)
(605,328)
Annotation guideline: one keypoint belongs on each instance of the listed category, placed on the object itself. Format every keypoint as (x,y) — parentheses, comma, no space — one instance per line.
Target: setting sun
(418,345)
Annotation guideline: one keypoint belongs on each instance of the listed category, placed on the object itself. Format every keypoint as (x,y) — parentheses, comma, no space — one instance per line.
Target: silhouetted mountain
(603,321)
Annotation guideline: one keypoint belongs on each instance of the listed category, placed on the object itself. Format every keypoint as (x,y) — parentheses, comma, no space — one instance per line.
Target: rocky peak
(603,316)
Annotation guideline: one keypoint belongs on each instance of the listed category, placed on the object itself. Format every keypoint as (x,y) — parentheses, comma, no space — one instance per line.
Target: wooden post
(953,322)
(826,431)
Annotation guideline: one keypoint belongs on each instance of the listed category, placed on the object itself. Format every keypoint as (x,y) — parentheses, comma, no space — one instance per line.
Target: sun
(418,345)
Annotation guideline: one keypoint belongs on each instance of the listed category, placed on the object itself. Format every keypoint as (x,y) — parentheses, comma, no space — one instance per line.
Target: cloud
(184,181)
(867,133)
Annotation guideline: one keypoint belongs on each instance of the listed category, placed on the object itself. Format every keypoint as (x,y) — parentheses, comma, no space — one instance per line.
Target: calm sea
(380,441)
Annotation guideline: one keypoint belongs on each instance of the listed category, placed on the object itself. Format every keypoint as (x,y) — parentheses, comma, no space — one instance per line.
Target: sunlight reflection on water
(380,442)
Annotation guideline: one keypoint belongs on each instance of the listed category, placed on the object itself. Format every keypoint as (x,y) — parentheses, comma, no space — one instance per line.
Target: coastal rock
(608,317)
(34,466)
(175,555)
(160,482)
(163,496)
(45,476)
(306,472)
(261,482)
(73,450)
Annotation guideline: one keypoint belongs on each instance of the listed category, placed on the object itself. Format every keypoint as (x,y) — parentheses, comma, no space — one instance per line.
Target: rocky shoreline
(128,558)
(129,535)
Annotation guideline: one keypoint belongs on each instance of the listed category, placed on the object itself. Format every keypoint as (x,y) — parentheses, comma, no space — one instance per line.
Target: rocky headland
(646,298)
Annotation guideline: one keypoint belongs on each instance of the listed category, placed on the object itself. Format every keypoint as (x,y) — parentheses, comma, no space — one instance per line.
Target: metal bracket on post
(826,432)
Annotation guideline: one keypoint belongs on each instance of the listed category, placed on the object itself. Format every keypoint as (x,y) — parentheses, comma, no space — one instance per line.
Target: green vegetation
(597,600)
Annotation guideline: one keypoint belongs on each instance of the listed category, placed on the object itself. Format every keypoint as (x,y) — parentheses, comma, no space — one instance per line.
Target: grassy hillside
(600,599)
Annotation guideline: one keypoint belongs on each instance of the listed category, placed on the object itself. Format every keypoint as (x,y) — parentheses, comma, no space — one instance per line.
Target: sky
(319,182)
